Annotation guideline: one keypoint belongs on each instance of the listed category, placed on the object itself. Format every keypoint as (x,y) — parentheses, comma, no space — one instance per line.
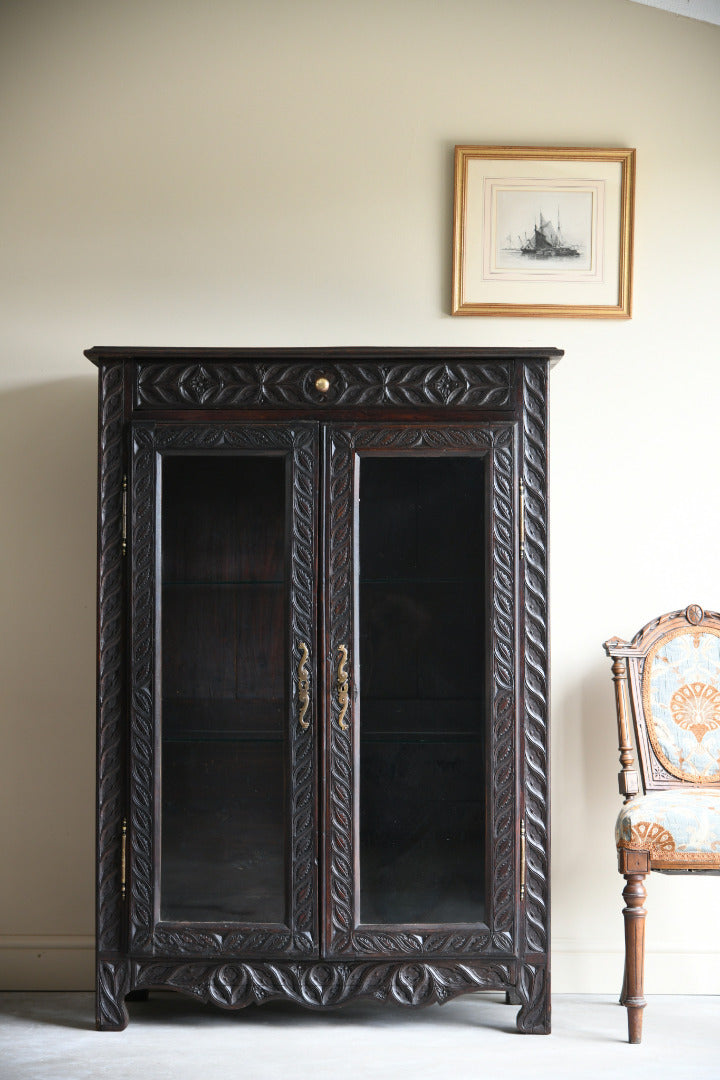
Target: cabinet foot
(534,993)
(112,988)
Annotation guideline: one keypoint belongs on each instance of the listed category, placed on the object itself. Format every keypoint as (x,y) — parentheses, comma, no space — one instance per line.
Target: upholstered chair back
(673,671)
(681,702)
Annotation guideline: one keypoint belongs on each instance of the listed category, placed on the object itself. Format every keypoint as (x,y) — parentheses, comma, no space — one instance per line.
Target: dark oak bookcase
(323,676)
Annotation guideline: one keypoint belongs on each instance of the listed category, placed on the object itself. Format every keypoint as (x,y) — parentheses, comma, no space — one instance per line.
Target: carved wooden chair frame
(628,670)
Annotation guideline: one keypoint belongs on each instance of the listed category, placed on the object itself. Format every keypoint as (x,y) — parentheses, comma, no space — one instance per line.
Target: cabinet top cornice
(359,354)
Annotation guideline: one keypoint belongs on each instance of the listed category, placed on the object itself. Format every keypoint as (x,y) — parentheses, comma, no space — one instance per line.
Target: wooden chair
(670,672)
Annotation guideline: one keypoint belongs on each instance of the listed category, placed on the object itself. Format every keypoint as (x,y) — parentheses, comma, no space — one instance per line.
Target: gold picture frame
(543,231)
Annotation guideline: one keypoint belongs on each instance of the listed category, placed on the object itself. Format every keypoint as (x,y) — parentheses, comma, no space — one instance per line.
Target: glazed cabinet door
(420,618)
(223,576)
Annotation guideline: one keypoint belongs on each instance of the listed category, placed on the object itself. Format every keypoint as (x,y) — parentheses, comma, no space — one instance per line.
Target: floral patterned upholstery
(679,828)
(681,702)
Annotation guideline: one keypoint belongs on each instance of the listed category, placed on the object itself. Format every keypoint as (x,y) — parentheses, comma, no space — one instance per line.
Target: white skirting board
(583,967)
(47,962)
(66,962)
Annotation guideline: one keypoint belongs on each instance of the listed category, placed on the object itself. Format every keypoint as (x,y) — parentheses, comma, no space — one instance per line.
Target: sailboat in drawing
(547,242)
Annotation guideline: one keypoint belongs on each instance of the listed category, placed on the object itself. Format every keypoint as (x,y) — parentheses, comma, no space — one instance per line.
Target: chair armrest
(628,780)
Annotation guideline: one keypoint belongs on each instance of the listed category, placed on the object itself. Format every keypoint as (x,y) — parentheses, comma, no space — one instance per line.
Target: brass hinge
(522,859)
(123,853)
(124,515)
(522,520)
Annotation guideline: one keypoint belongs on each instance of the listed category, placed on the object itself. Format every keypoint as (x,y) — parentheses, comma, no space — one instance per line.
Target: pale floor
(50,1036)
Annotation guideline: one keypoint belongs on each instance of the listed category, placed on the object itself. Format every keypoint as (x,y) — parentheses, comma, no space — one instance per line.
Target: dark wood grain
(298,444)
(195,407)
(345,935)
(282,385)
(535,660)
(111,977)
(236,984)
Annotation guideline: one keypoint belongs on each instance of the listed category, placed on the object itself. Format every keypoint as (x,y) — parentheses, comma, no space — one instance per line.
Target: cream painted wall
(228,173)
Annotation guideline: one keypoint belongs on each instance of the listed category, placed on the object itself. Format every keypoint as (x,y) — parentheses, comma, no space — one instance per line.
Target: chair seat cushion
(678,828)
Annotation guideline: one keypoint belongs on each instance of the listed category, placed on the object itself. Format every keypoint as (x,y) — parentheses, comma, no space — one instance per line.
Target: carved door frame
(297,442)
(343,933)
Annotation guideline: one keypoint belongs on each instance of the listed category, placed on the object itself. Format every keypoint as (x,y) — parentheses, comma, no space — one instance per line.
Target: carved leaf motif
(387,943)
(281,384)
(227,985)
(413,984)
(321,985)
(142,651)
(112,987)
(534,1016)
(111,747)
(233,384)
(300,443)
(497,441)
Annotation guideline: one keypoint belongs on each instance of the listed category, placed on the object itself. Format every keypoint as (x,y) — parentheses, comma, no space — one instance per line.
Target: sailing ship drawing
(546,241)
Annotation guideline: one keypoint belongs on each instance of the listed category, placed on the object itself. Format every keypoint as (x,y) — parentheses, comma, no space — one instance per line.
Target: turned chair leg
(634,913)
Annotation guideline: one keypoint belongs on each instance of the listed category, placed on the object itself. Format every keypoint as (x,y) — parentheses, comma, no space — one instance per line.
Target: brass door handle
(303,686)
(522,859)
(343,683)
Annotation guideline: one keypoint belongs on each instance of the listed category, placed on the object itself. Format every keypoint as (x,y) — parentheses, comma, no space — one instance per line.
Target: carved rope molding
(302,605)
(344,937)
(142,677)
(504,703)
(339,601)
(110,658)
(280,384)
(536,656)
(149,439)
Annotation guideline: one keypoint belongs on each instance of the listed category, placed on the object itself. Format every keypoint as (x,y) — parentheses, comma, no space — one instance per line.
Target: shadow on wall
(585,766)
(599,755)
(584,782)
(48,536)
(587,927)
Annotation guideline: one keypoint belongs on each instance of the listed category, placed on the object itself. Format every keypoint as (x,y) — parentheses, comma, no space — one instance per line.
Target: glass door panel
(421,616)
(224,627)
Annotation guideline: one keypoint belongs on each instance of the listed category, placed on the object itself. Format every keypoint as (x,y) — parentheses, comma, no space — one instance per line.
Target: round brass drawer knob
(322,384)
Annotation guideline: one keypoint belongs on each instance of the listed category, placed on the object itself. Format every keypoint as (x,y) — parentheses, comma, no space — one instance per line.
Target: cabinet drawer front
(325,382)
(421,795)
(223,710)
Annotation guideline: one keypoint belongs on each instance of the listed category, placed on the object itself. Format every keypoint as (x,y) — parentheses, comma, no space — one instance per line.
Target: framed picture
(543,231)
